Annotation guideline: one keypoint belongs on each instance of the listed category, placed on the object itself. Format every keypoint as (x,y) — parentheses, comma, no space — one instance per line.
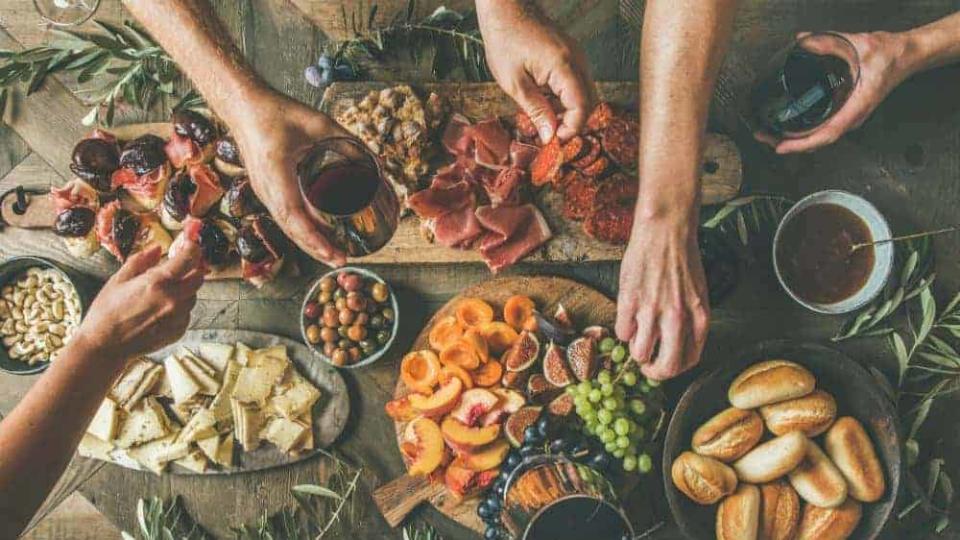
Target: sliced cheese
(104,423)
(283,433)
(136,380)
(221,402)
(148,422)
(155,455)
(216,354)
(194,461)
(242,353)
(94,447)
(200,363)
(296,399)
(225,452)
(200,426)
(184,411)
(203,374)
(209,446)
(307,442)
(253,384)
(182,384)
(247,422)
(276,352)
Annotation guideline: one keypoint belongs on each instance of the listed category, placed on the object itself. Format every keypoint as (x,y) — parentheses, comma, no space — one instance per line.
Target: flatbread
(182,384)
(201,426)
(104,423)
(216,354)
(203,374)
(138,378)
(296,399)
(146,423)
(283,433)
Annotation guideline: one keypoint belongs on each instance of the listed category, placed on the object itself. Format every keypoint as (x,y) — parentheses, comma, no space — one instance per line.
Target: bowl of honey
(825,253)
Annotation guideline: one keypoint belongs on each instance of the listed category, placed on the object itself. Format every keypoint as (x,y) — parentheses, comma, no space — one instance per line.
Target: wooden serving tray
(330,413)
(569,242)
(586,306)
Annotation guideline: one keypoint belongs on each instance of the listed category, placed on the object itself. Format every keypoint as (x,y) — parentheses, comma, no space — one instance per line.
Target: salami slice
(590,154)
(597,168)
(574,149)
(620,142)
(578,197)
(525,126)
(612,224)
(545,169)
(618,190)
(601,117)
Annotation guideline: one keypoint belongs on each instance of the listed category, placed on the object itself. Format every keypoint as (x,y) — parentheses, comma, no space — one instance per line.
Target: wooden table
(905,159)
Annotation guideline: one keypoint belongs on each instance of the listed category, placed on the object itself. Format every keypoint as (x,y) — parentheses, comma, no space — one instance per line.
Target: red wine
(578,518)
(344,190)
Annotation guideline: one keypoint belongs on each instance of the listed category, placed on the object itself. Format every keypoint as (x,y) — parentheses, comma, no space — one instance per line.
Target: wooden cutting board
(586,306)
(330,413)
(722,177)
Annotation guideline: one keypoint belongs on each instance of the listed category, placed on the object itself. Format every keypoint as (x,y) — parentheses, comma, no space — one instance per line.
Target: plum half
(143,154)
(95,160)
(74,222)
(260,238)
(195,126)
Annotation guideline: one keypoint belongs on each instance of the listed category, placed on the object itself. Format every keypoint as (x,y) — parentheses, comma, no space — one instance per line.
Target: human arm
(886,60)
(527,55)
(662,303)
(274,132)
(141,308)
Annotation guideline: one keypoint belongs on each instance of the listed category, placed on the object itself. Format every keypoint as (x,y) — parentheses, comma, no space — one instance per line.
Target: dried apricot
(479,344)
(446,331)
(453,370)
(461,353)
(488,374)
(517,310)
(420,370)
(473,312)
(499,336)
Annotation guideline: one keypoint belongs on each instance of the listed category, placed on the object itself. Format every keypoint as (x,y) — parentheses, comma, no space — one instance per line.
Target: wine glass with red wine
(347,194)
(805,84)
(66,12)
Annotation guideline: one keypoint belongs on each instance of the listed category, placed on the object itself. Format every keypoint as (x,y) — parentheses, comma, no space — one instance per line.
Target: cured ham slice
(147,189)
(182,151)
(505,187)
(458,229)
(208,190)
(491,143)
(75,193)
(123,232)
(436,201)
(513,232)
(522,155)
(215,238)
(456,137)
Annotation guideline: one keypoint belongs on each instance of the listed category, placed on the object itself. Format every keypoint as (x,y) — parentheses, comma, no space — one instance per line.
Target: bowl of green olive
(349,317)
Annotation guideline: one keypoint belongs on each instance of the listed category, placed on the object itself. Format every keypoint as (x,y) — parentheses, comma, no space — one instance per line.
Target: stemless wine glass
(343,185)
(66,12)
(804,85)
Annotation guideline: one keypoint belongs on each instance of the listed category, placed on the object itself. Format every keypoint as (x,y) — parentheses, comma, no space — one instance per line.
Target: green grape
(653,383)
(607,435)
(606,389)
(623,442)
(621,426)
(607,344)
(584,388)
(580,402)
(638,406)
(633,427)
(610,446)
(631,450)
(629,378)
(572,390)
(610,404)
(621,403)
(618,353)
(595,396)
(604,416)
(599,429)
(618,453)
(591,426)
(604,377)
(645,387)
(645,463)
(629,463)
(589,415)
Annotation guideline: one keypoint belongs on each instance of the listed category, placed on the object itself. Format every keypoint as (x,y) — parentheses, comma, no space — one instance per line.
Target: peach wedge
(487,457)
(423,444)
(440,402)
(463,437)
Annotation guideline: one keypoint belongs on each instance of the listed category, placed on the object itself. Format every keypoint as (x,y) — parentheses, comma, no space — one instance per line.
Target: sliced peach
(499,336)
(486,478)
(488,374)
(445,332)
(463,437)
(510,402)
(420,370)
(473,312)
(440,402)
(487,457)
(453,370)
(479,344)
(459,479)
(474,405)
(462,353)
(517,310)
(423,444)
(400,410)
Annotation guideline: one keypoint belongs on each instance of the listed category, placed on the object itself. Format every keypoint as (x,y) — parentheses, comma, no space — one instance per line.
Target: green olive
(383,337)
(341,304)
(340,357)
(339,293)
(379,292)
(328,284)
(324,297)
(368,346)
(313,334)
(342,331)
(376,322)
(388,313)
(345,344)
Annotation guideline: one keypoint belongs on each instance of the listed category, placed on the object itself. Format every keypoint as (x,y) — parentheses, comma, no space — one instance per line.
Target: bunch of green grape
(619,408)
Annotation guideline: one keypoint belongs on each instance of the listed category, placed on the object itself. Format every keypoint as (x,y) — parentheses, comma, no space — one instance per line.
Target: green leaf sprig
(161,520)
(137,71)
(748,216)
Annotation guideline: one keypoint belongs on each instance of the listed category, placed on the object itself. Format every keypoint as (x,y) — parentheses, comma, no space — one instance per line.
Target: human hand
(663,297)
(144,306)
(883,66)
(527,57)
(275,134)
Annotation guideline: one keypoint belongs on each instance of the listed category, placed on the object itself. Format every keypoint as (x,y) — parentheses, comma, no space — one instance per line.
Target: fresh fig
(94,160)
(582,358)
(562,405)
(143,154)
(555,367)
(515,380)
(552,330)
(523,353)
(228,151)
(539,389)
(596,332)
(520,421)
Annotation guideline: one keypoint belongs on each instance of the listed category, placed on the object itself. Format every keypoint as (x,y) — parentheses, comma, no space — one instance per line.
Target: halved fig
(195,126)
(125,227)
(216,241)
(74,222)
(561,405)
(523,353)
(240,200)
(555,367)
(516,380)
(519,421)
(95,160)
(596,332)
(540,390)
(176,199)
(143,154)
(582,358)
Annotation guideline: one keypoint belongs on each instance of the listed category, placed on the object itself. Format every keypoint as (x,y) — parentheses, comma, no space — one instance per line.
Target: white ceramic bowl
(883,253)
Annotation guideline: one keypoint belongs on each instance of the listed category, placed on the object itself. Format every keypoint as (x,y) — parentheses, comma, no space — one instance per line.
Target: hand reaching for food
(528,56)
(144,306)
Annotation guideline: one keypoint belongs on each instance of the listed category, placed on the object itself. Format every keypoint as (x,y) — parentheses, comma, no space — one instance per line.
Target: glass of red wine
(347,194)
(804,85)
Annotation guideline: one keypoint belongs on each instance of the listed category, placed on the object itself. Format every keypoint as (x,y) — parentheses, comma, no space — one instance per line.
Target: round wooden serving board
(586,306)
(330,413)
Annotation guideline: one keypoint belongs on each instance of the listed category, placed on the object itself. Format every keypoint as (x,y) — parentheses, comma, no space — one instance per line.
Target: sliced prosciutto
(210,235)
(75,193)
(491,144)
(513,232)
(458,229)
(147,189)
(436,201)
(522,154)
(457,138)
(182,151)
(208,189)
(504,188)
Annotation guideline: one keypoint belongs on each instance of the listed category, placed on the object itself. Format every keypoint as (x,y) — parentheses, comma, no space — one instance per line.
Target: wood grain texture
(586,306)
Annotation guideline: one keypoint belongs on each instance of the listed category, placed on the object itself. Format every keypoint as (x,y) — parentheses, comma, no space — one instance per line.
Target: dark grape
(325,61)
(559,446)
(600,461)
(499,488)
(494,504)
(492,533)
(513,459)
(531,435)
(528,451)
(544,426)
(484,511)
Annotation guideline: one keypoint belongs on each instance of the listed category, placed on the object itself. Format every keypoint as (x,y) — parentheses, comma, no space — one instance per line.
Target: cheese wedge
(247,422)
(225,452)
(184,411)
(104,423)
(203,374)
(209,446)
(254,384)
(216,354)
(295,400)
(308,442)
(241,353)
(194,461)
(148,422)
(182,384)
(200,426)
(136,380)
(200,363)
(221,402)
(155,455)
(94,447)
(283,433)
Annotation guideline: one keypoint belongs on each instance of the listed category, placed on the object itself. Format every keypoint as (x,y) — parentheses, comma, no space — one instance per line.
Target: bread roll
(770,382)
(704,480)
(780,511)
(812,414)
(850,448)
(817,480)
(728,435)
(738,516)
(772,459)
(829,523)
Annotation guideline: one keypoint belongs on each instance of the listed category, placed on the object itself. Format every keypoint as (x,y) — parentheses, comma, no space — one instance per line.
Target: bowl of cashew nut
(40,308)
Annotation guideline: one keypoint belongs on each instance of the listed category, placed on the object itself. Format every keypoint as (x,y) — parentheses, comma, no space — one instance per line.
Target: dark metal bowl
(857,392)
(13,267)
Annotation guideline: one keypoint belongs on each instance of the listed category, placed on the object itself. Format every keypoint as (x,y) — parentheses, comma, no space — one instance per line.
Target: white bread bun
(829,523)
(728,435)
(812,414)
(738,516)
(850,448)
(780,511)
(770,382)
(704,480)
(772,459)
(817,480)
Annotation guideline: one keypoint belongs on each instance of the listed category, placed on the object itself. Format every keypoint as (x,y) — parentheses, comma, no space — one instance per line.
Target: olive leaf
(312,489)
